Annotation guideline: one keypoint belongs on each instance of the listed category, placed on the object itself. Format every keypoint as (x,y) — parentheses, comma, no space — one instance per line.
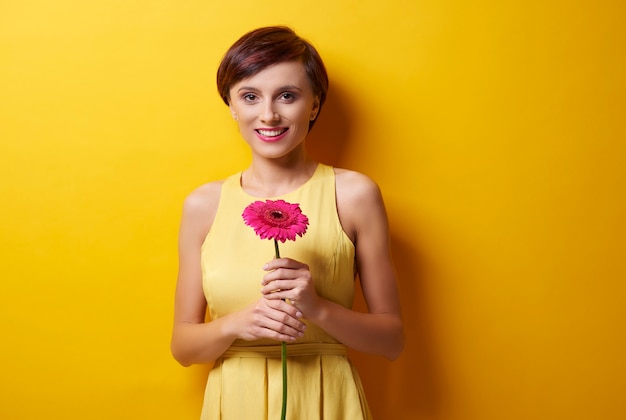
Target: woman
(275,84)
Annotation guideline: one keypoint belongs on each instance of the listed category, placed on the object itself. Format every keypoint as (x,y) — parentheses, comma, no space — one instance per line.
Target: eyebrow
(280,89)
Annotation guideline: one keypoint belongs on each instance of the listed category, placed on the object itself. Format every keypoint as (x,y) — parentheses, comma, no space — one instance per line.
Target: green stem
(276,249)
(283,356)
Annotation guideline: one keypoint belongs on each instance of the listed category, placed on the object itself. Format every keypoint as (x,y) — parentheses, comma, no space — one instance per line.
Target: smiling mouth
(271,133)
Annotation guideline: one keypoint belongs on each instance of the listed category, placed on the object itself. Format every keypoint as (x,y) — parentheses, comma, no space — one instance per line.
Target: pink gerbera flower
(276,219)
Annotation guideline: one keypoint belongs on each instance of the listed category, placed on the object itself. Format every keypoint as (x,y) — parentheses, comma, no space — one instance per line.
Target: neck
(270,179)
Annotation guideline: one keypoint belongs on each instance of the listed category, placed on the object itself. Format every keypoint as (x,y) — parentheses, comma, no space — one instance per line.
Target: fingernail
(298,314)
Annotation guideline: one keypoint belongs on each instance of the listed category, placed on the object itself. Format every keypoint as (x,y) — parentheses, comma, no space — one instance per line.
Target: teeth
(271,133)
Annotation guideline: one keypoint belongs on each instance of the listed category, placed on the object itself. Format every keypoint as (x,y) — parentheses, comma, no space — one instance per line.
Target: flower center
(277,214)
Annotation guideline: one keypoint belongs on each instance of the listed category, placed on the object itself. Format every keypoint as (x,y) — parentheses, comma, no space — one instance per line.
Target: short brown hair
(264,47)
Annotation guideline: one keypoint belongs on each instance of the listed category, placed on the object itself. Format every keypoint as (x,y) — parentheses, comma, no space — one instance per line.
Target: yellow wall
(495,130)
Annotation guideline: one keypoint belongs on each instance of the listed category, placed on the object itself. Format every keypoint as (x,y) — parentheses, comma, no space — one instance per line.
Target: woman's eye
(249,97)
(287,96)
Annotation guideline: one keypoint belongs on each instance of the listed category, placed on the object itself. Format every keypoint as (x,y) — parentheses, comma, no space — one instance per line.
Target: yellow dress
(246,382)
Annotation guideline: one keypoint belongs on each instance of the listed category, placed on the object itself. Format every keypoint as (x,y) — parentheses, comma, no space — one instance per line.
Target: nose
(268,114)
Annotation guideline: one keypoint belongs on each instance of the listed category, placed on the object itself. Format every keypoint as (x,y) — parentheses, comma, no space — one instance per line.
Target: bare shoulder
(204,198)
(355,188)
(199,210)
(359,202)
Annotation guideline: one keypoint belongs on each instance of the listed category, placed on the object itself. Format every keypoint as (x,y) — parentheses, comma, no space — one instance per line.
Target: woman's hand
(290,279)
(273,319)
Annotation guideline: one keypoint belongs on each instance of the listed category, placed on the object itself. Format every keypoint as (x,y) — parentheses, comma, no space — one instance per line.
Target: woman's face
(273,109)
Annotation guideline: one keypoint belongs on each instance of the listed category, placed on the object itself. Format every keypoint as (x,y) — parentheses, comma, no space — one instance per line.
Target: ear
(316,108)
(232,112)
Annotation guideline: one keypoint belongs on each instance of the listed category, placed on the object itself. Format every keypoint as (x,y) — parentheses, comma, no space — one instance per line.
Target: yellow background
(495,129)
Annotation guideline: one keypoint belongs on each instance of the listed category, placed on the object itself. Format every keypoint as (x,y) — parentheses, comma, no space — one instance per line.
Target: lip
(271,139)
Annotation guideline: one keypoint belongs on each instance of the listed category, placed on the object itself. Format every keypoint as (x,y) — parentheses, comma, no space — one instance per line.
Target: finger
(281,306)
(271,334)
(280,274)
(284,263)
(278,286)
(284,323)
(281,332)
(269,331)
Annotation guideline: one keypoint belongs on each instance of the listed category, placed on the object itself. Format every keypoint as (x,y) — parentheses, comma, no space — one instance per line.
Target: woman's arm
(363,216)
(193,339)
